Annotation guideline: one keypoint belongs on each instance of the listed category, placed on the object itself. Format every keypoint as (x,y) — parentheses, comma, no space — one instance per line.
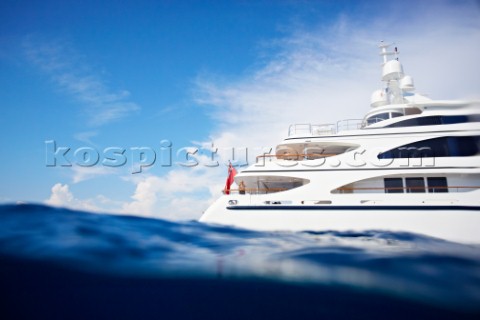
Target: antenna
(383,46)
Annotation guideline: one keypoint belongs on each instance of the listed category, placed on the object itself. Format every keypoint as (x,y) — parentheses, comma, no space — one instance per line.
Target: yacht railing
(257,190)
(308,129)
(350,124)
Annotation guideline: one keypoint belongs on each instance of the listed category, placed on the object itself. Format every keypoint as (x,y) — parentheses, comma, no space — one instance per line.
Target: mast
(397,84)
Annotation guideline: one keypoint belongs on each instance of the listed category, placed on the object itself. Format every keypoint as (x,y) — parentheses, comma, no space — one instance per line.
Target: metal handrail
(257,190)
(349,124)
(326,128)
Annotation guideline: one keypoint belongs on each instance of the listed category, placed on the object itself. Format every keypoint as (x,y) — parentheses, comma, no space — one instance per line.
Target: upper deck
(395,106)
(396,116)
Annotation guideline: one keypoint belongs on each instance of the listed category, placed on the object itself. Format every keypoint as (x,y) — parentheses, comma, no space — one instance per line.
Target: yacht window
(457,119)
(396,114)
(415,185)
(393,185)
(437,147)
(437,184)
(432,121)
(377,118)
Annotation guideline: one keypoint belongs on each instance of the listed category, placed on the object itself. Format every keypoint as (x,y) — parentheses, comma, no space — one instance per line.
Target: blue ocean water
(64,264)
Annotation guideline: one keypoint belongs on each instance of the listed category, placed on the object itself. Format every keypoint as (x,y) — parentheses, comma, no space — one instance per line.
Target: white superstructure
(412,164)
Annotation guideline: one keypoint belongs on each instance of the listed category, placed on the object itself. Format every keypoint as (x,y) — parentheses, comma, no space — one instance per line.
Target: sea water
(64,264)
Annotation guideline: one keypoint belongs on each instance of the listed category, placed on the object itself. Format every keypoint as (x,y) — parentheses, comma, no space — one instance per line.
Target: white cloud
(182,194)
(86,173)
(86,136)
(70,72)
(62,197)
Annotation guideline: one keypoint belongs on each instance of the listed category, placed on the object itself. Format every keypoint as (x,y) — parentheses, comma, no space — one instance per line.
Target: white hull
(458,223)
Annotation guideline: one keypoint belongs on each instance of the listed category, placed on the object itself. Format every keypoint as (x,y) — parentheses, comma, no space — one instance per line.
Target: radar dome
(392,70)
(406,84)
(378,99)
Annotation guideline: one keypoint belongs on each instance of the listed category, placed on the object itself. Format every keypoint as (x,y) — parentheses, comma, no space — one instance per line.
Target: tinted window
(455,119)
(432,121)
(437,184)
(393,185)
(437,147)
(415,185)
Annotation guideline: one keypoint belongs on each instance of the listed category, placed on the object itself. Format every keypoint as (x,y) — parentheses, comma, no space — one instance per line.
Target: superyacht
(412,164)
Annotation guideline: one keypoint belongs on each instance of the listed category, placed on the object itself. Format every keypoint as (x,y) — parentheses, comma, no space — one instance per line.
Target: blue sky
(129,74)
